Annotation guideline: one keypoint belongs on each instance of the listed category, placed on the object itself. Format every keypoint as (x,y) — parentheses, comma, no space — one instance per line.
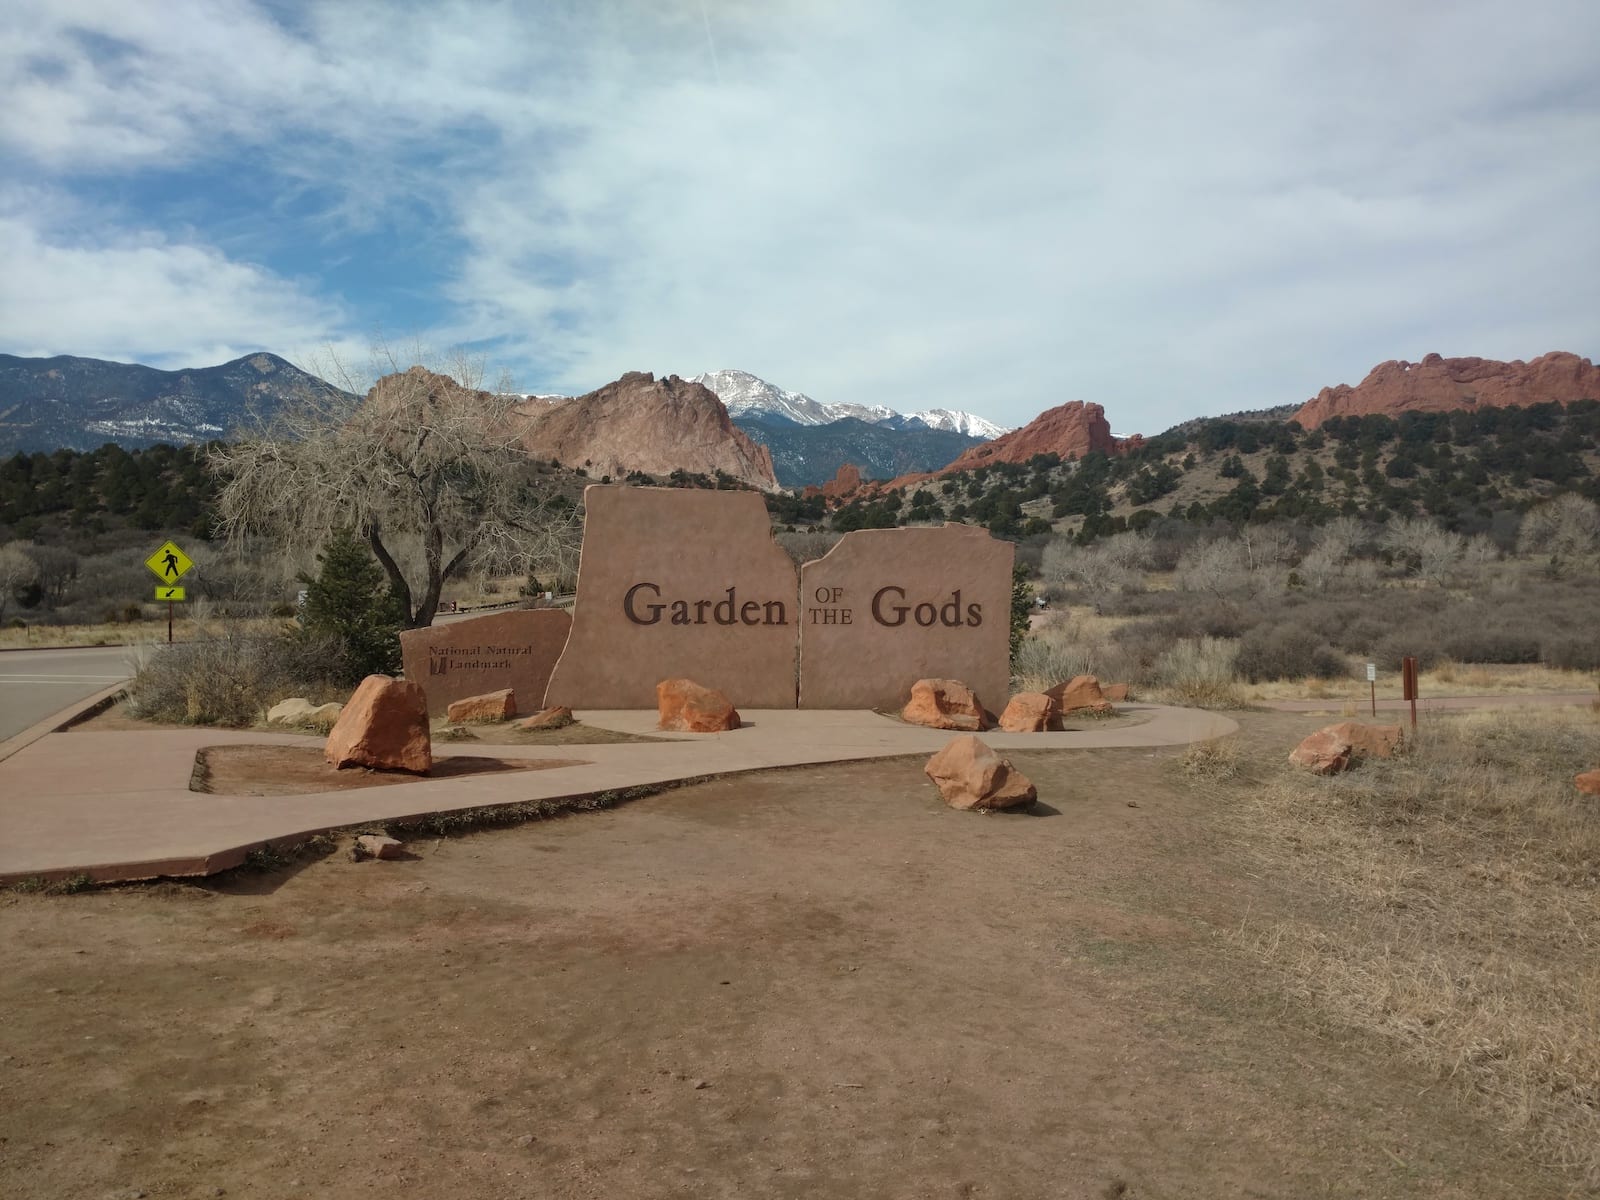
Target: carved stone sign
(887,607)
(673,583)
(516,650)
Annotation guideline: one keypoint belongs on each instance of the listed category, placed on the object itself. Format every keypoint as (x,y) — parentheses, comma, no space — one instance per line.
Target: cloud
(1169,208)
(147,297)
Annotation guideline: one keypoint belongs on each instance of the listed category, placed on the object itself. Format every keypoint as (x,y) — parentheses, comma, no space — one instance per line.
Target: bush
(1199,671)
(227,679)
(1573,652)
(1286,652)
(1491,646)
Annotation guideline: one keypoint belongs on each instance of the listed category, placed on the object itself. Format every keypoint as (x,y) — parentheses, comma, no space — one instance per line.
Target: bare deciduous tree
(426,470)
(17,570)
(1429,552)
(1101,569)
(1566,528)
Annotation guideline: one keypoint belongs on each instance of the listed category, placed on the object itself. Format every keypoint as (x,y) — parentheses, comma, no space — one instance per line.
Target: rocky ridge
(1439,384)
(641,423)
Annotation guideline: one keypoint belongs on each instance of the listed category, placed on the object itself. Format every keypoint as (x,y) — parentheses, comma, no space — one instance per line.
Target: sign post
(1372,683)
(1408,680)
(169,564)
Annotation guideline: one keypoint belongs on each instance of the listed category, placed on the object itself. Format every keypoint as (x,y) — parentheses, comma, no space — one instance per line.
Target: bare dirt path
(809,982)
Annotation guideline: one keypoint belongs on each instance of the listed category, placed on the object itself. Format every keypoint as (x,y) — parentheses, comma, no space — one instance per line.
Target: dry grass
(1445,679)
(185,628)
(1451,905)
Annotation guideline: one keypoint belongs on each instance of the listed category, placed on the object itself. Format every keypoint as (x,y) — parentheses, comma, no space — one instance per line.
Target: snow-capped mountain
(747,395)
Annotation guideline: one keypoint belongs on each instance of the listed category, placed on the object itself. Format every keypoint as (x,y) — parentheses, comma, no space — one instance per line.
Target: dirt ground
(814,982)
(302,770)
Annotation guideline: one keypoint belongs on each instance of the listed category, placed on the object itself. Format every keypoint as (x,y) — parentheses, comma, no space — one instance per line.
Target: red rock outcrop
(943,704)
(1029,712)
(686,707)
(641,423)
(1336,748)
(969,774)
(558,717)
(1079,693)
(499,705)
(847,480)
(383,726)
(1070,430)
(1438,384)
(1587,782)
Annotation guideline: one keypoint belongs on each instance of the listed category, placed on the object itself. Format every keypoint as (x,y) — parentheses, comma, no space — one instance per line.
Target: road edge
(63,720)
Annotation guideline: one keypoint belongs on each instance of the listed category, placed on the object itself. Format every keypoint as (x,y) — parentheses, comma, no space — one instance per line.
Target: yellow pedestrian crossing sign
(174,594)
(169,564)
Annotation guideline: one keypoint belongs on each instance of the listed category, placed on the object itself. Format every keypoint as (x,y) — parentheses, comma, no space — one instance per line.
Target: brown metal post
(1374,686)
(1408,675)
(169,627)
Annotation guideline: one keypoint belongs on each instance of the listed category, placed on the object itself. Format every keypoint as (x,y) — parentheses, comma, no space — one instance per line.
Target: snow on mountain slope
(747,395)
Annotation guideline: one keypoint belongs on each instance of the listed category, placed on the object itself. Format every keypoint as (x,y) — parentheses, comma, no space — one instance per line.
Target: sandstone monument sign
(675,582)
(516,650)
(887,607)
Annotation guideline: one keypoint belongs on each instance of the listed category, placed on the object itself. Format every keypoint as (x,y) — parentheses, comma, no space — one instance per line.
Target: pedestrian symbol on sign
(169,564)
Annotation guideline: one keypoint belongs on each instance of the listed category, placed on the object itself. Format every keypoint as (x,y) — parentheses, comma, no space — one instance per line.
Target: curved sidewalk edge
(116,806)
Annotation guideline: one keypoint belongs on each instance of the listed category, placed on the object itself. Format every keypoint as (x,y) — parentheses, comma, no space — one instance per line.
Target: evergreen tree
(352,601)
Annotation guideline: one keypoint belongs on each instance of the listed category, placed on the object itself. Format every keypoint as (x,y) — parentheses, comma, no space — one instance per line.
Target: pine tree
(351,600)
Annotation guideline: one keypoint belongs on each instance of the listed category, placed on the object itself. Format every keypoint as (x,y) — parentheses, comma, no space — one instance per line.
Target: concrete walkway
(117,805)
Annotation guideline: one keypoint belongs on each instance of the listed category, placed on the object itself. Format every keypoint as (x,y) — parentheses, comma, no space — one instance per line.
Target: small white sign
(1372,672)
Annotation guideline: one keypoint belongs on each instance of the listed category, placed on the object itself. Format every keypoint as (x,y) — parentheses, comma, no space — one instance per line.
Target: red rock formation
(1443,384)
(640,423)
(846,481)
(1079,692)
(1070,430)
(498,705)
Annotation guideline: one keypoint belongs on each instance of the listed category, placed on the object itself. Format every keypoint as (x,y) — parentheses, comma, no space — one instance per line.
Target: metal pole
(1373,684)
(169,635)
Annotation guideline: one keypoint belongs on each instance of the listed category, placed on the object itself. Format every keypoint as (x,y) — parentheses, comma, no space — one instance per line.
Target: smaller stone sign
(516,650)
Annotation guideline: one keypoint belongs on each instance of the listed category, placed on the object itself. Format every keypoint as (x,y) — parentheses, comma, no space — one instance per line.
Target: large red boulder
(686,707)
(383,726)
(491,706)
(1079,692)
(944,704)
(1588,782)
(1323,753)
(1029,712)
(1370,741)
(969,774)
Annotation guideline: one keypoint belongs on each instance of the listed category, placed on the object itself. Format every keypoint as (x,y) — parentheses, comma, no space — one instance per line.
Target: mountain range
(83,403)
(747,395)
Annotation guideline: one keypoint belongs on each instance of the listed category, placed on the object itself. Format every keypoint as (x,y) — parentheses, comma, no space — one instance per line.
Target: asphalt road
(35,684)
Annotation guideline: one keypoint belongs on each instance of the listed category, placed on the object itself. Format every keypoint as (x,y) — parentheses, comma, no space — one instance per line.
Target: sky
(1172,208)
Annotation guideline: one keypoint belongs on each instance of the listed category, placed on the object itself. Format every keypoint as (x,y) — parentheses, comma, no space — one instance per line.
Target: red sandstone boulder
(1374,741)
(372,845)
(1115,693)
(1323,753)
(943,704)
(550,718)
(1079,692)
(1028,712)
(687,707)
(971,775)
(1588,782)
(491,706)
(384,726)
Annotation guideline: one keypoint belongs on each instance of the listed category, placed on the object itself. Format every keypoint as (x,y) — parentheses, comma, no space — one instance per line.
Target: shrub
(1199,671)
(1286,652)
(227,679)
(1479,645)
(1572,652)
